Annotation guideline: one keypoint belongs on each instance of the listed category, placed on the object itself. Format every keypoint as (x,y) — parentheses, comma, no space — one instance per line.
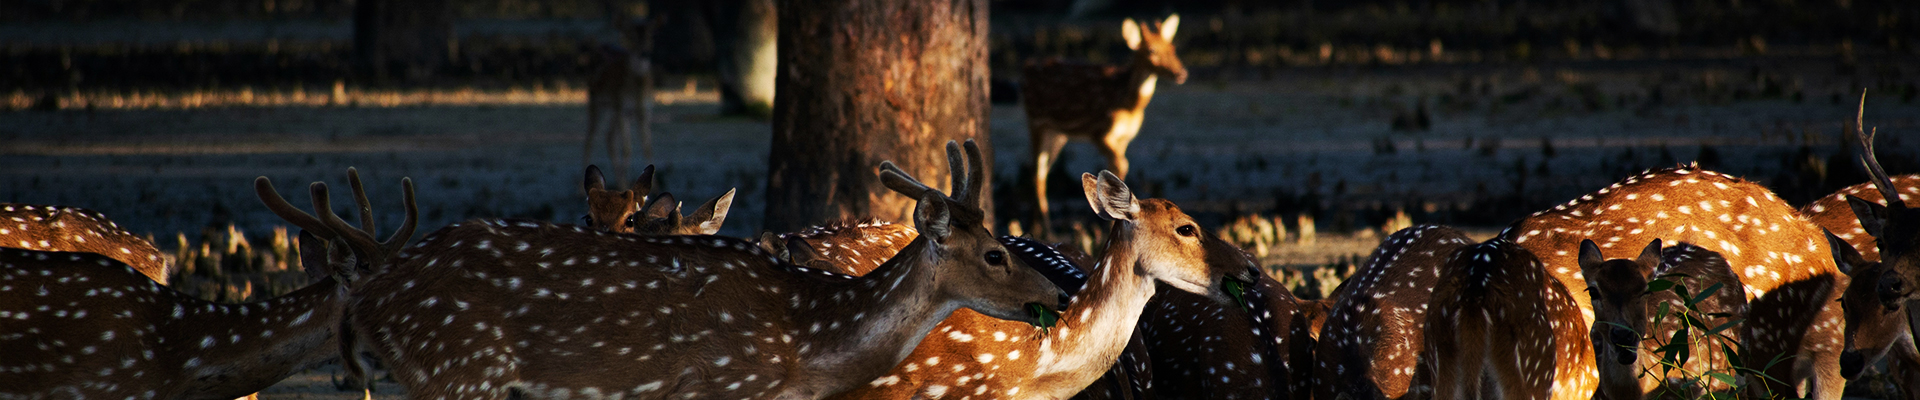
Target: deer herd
(1677,282)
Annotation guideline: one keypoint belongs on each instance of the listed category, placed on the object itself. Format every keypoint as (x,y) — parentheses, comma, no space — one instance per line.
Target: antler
(967,176)
(1871,163)
(329,226)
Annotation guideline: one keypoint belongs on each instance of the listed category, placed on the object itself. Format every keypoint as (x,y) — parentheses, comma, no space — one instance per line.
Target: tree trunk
(744,35)
(862,81)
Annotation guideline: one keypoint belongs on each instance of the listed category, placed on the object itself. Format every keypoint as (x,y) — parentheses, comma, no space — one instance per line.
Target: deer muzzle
(1626,344)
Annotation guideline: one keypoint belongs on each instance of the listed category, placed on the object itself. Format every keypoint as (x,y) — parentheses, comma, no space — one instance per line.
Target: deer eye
(997,258)
(586,219)
(1186,230)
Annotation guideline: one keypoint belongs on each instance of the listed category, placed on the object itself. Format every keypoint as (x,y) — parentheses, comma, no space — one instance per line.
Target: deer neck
(1095,327)
(865,326)
(230,350)
(1141,80)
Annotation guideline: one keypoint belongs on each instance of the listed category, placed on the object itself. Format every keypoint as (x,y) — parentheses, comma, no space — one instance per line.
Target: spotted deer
(620,94)
(1873,330)
(852,248)
(1792,285)
(611,211)
(1151,241)
(74,229)
(662,216)
(1626,335)
(1500,325)
(1102,104)
(1373,340)
(83,325)
(686,316)
(1200,348)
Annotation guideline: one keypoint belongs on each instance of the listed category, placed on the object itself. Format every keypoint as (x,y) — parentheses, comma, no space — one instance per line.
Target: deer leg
(1046,149)
(615,138)
(646,116)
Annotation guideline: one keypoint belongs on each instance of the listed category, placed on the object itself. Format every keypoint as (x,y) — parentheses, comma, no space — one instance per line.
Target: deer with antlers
(687,316)
(1791,284)
(1500,325)
(1874,330)
(75,229)
(1102,104)
(1625,341)
(84,325)
(1151,240)
(1371,345)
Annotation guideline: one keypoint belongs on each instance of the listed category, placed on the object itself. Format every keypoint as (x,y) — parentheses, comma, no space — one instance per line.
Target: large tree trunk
(414,37)
(861,81)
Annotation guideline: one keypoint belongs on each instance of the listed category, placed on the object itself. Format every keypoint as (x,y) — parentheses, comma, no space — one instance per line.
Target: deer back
(1371,343)
(74,229)
(1498,317)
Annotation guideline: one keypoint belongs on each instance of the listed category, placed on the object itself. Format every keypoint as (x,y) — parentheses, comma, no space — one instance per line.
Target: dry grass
(340,95)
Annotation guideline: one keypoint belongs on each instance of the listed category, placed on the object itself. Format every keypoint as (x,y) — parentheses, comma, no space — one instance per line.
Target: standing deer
(1103,104)
(1791,282)
(1623,309)
(1371,345)
(74,229)
(82,325)
(1500,325)
(1874,330)
(489,309)
(620,94)
(1151,241)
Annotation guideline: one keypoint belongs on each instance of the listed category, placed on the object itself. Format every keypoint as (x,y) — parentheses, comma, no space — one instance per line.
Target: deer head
(1619,289)
(662,216)
(1872,327)
(1153,47)
(1164,237)
(611,211)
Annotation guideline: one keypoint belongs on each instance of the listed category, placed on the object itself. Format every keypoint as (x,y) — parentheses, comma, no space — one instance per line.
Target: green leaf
(1659,285)
(1728,325)
(1715,287)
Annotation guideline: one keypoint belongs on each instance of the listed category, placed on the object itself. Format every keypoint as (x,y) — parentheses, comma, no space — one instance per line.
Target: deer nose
(1626,344)
(1851,363)
(1891,289)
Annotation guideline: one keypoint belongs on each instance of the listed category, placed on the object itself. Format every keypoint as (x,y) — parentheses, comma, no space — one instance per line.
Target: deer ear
(1873,216)
(1844,255)
(772,245)
(712,213)
(1109,197)
(1166,28)
(1131,31)
(1649,259)
(313,257)
(643,185)
(660,207)
(801,253)
(1590,256)
(932,218)
(594,180)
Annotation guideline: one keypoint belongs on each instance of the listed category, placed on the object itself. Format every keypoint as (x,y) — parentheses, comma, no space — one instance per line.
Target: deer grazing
(1625,342)
(1873,329)
(1102,104)
(1151,240)
(1371,344)
(1792,285)
(83,325)
(1500,325)
(620,94)
(489,309)
(74,229)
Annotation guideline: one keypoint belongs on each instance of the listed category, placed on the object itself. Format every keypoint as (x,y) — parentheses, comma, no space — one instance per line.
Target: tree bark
(862,81)
(744,37)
